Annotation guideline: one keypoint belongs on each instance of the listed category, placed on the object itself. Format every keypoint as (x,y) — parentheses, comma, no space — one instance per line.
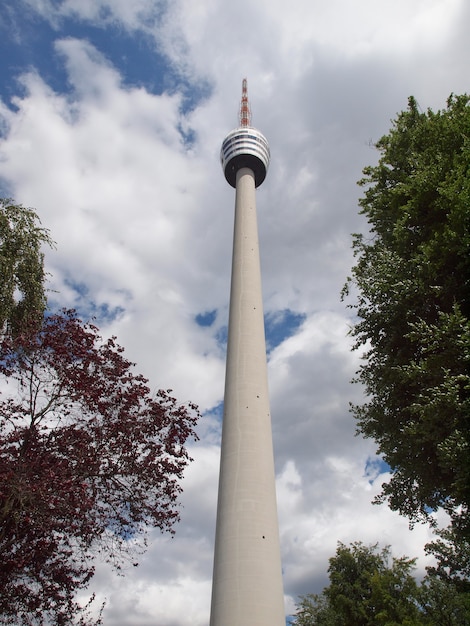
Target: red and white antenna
(245,111)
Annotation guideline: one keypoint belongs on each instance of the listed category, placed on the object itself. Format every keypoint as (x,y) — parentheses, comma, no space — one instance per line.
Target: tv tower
(247,580)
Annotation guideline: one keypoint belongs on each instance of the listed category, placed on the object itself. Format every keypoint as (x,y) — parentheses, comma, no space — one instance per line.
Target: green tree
(315,610)
(367,588)
(443,604)
(452,554)
(412,280)
(22,276)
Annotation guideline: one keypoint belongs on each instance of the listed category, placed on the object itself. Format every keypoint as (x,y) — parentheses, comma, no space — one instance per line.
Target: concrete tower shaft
(247,580)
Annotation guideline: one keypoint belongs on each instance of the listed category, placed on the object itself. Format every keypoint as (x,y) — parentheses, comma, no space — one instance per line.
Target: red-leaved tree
(89,460)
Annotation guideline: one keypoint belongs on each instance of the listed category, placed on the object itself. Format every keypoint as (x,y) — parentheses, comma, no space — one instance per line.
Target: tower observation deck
(245,147)
(247,578)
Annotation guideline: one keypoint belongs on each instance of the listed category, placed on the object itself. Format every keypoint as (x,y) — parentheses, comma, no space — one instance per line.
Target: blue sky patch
(87,309)
(32,46)
(374,467)
(206,319)
(279,325)
(27,42)
(221,337)
(216,411)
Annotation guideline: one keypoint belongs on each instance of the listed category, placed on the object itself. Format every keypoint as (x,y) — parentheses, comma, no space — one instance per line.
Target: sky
(112,114)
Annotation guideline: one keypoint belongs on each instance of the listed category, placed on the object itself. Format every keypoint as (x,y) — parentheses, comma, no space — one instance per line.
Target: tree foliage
(442,603)
(88,460)
(367,588)
(22,277)
(452,553)
(412,277)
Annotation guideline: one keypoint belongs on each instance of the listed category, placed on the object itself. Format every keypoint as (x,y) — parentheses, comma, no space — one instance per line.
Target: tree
(452,554)
(442,603)
(22,292)
(367,588)
(315,610)
(370,588)
(88,461)
(412,279)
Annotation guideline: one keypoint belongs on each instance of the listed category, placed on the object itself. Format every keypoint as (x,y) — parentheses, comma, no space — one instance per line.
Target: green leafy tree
(412,280)
(452,554)
(22,276)
(315,610)
(443,604)
(367,588)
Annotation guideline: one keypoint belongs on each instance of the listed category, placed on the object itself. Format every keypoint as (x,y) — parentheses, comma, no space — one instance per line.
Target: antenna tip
(245,112)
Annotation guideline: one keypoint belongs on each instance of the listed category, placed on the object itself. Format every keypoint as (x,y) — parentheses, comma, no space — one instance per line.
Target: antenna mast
(245,111)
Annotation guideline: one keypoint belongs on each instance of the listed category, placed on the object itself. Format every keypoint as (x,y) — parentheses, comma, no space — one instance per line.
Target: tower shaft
(247,581)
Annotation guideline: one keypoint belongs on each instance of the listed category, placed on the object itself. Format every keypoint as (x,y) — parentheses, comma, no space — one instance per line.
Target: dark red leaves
(88,459)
